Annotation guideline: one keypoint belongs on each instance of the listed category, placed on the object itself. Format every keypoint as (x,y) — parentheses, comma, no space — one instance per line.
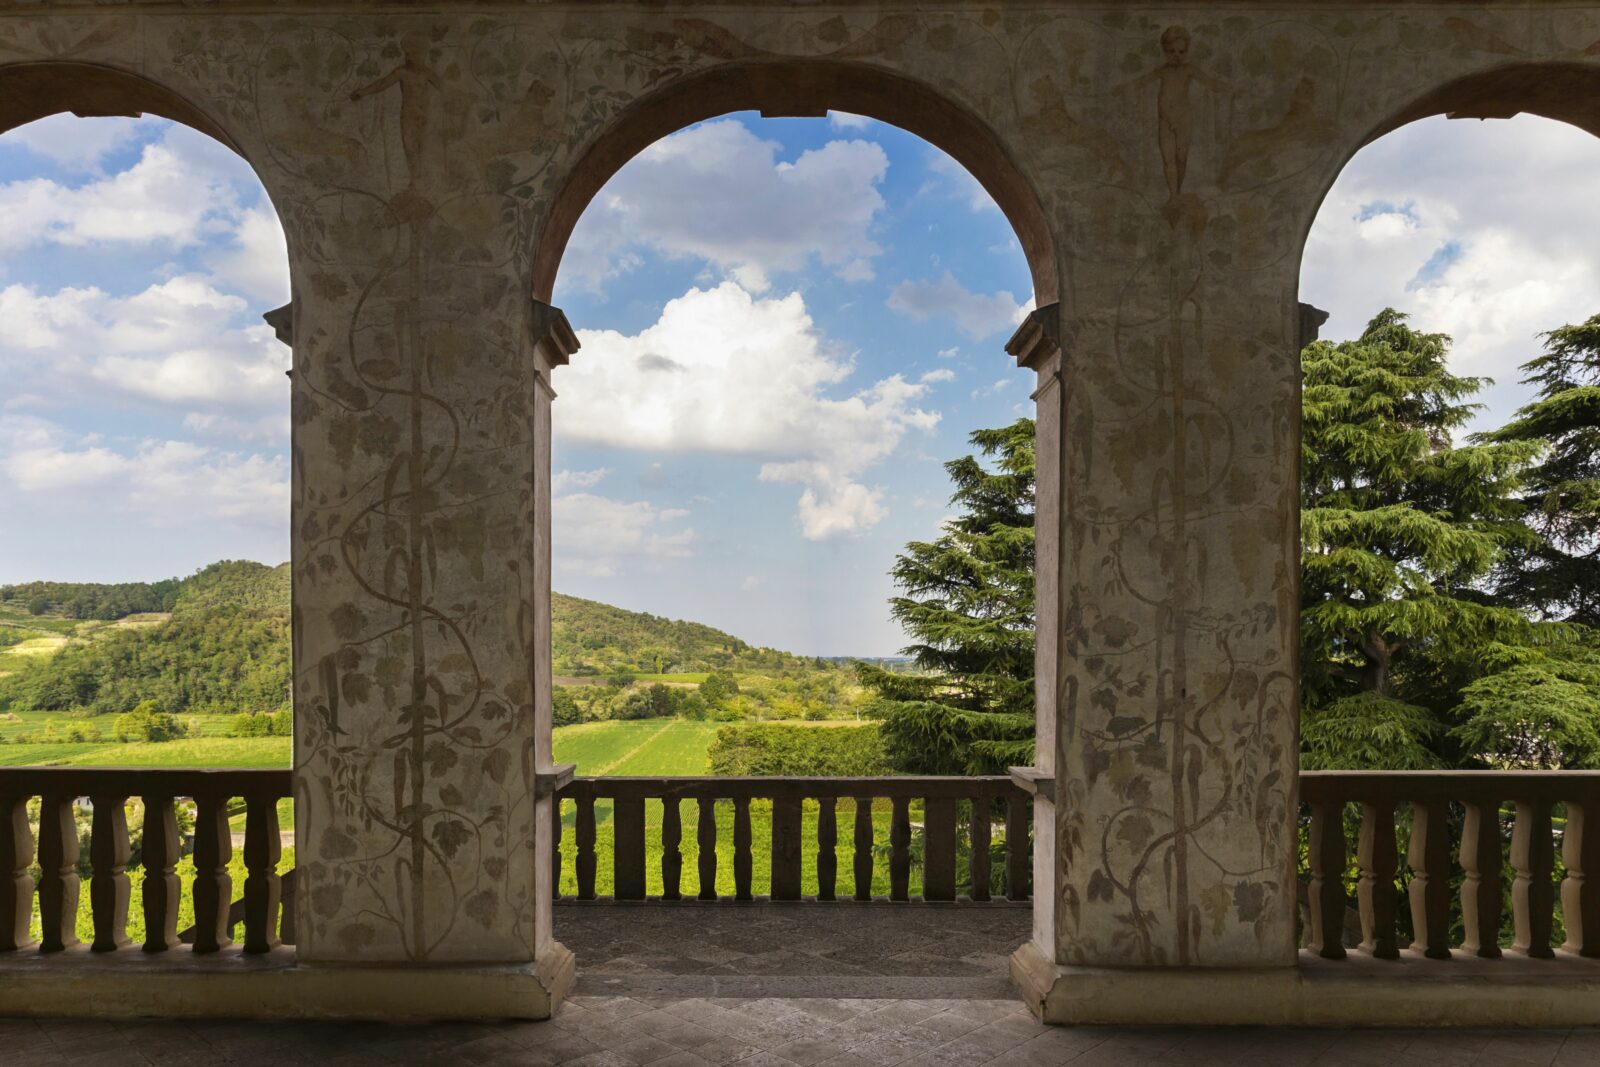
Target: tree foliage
(1559,575)
(967,603)
(1418,648)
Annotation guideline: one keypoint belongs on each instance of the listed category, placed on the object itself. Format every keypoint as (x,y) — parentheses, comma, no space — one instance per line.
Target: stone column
(1167,622)
(421,607)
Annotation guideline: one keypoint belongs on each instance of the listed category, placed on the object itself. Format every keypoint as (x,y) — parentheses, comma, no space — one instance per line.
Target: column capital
(1038,338)
(551,334)
(281,320)
(1311,320)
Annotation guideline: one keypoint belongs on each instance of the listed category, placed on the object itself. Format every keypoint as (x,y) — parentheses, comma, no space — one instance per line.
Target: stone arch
(31,91)
(1565,92)
(35,90)
(805,88)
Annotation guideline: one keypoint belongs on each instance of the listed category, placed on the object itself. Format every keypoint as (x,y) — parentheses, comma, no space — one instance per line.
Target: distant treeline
(88,600)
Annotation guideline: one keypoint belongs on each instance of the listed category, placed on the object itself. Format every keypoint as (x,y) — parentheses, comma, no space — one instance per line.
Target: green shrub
(263,724)
(842,751)
(147,722)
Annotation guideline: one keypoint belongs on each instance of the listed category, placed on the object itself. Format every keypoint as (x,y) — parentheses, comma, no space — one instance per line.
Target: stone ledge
(1409,992)
(232,985)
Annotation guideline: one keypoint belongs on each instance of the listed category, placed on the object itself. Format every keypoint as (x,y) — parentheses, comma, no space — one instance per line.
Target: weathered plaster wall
(1178,153)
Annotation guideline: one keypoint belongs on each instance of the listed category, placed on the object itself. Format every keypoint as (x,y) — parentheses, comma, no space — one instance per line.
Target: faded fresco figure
(1174,108)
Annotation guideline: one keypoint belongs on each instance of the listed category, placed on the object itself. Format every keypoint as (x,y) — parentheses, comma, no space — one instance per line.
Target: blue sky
(788,325)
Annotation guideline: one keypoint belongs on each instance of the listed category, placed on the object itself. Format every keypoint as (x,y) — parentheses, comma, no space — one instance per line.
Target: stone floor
(776,986)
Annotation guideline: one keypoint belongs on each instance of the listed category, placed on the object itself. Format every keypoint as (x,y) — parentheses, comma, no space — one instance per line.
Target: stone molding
(1410,992)
(272,986)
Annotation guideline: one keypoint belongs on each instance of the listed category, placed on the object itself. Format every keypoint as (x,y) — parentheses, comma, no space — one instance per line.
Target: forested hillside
(224,645)
(224,649)
(591,638)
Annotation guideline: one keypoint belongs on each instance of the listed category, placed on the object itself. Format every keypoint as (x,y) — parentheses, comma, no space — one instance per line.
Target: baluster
(980,848)
(108,885)
(741,849)
(1378,858)
(555,848)
(584,832)
(1019,857)
(263,889)
(627,855)
(1326,892)
(1428,855)
(786,848)
(1480,889)
(58,873)
(939,848)
(705,832)
(1533,893)
(671,856)
(161,846)
(286,917)
(827,849)
(900,849)
(1580,893)
(16,884)
(213,886)
(861,856)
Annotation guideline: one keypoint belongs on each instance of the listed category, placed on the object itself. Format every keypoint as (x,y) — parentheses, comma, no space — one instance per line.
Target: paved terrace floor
(776,986)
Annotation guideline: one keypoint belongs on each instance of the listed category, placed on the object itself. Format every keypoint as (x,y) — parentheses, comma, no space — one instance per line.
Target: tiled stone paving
(760,986)
(604,1031)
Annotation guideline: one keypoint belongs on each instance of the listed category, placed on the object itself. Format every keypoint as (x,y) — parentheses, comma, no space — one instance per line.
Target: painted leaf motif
(450,835)
(482,906)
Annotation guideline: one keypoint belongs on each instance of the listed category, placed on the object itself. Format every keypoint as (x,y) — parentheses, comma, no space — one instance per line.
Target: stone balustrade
(981,799)
(1455,828)
(215,793)
(60,790)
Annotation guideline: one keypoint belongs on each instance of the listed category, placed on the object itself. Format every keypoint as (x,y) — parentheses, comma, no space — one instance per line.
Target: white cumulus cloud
(598,536)
(724,371)
(974,314)
(1482,230)
(719,193)
(174,345)
(184,189)
(54,470)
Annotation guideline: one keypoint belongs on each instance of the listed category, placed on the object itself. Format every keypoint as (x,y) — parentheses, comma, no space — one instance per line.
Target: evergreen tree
(967,604)
(1400,528)
(1559,577)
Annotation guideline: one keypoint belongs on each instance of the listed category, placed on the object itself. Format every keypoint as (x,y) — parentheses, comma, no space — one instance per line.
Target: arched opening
(1449,568)
(807,89)
(789,326)
(144,442)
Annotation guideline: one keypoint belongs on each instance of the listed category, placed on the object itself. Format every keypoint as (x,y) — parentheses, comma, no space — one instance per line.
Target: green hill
(218,642)
(590,638)
(225,647)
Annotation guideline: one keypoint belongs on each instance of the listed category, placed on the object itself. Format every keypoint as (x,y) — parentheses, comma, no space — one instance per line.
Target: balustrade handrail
(1349,786)
(776,787)
(139,781)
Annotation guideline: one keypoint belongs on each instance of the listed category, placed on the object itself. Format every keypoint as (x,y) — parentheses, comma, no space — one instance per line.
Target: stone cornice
(1038,338)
